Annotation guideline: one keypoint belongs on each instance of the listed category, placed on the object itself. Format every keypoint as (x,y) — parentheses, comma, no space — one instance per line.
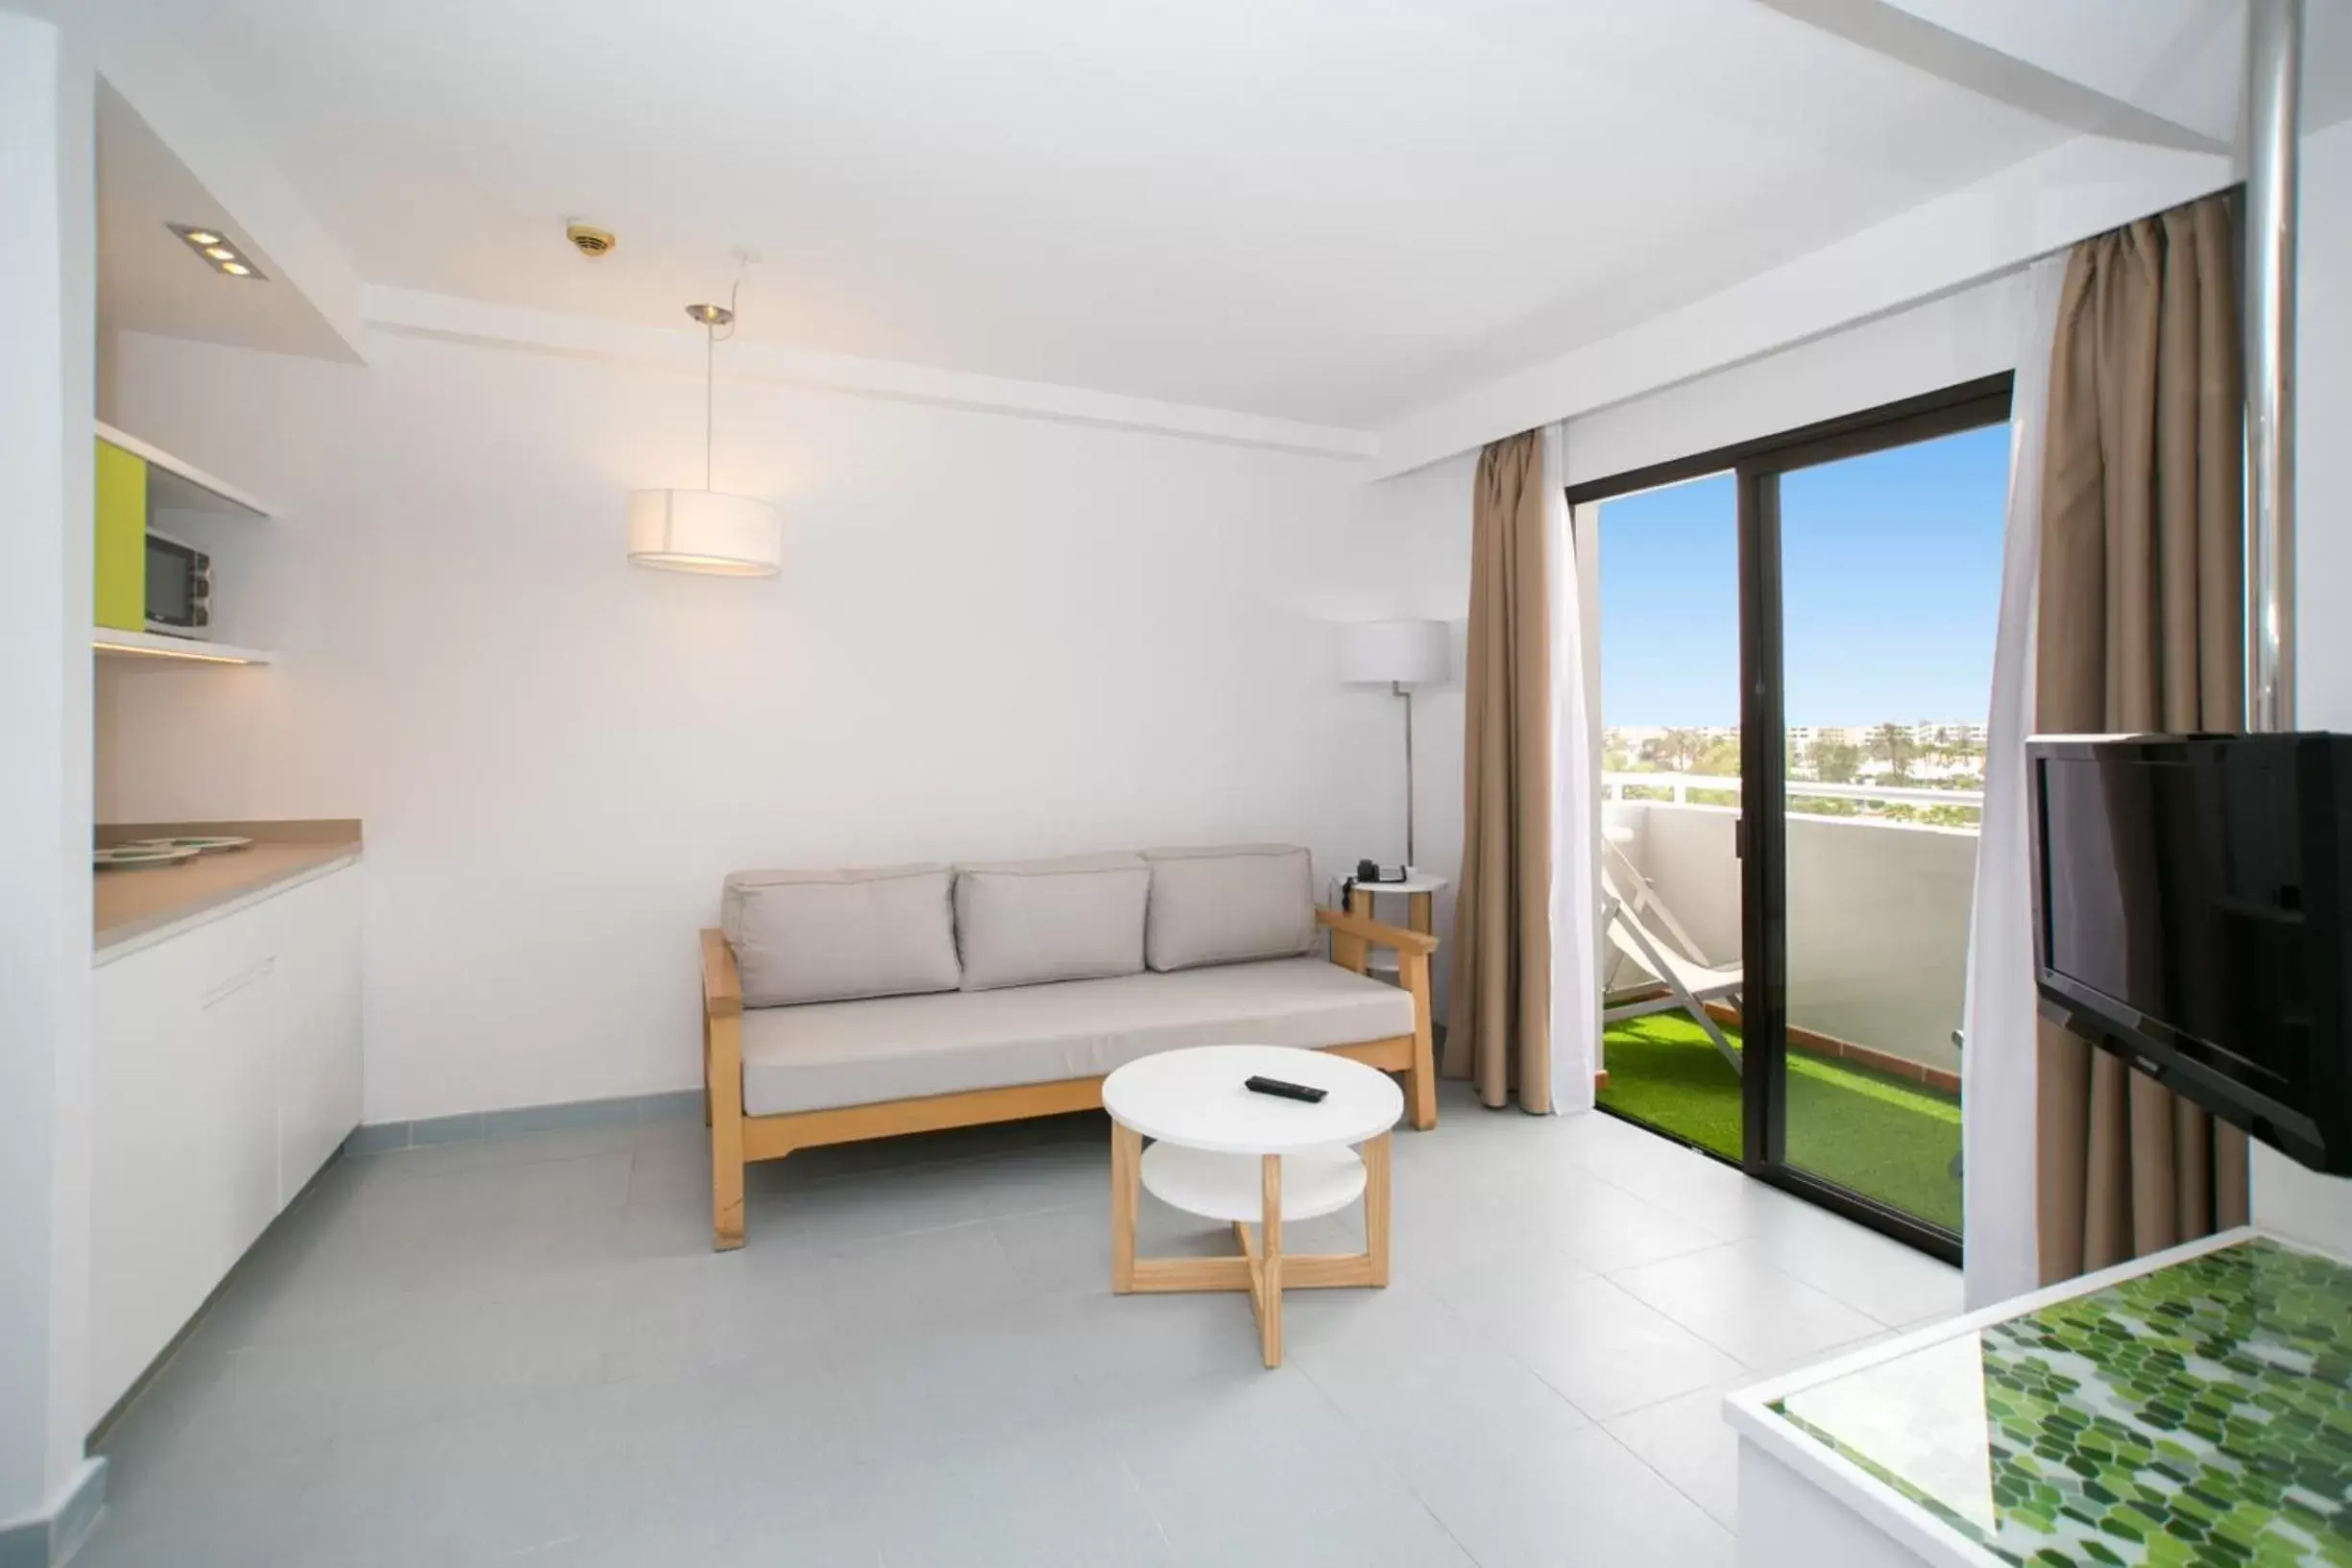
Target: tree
(1835,762)
(1721,759)
(1893,743)
(1681,748)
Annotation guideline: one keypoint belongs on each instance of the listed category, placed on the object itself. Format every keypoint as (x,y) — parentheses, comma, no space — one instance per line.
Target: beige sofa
(847,1005)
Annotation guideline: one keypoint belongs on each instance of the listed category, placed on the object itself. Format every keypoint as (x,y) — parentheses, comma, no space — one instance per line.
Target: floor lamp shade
(1395,652)
(706,531)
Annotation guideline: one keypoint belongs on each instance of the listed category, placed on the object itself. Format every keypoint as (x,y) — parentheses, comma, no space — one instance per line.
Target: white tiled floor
(522,1351)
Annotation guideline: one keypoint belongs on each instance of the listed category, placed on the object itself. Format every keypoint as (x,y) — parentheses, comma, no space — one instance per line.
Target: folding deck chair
(1689,982)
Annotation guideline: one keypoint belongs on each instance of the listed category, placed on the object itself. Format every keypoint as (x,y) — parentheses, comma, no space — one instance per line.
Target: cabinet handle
(238,981)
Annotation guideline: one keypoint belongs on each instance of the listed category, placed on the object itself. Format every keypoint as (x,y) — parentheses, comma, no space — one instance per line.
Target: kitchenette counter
(134,907)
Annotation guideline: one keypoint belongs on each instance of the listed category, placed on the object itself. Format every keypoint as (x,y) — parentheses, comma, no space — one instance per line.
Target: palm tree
(1682,748)
(1892,743)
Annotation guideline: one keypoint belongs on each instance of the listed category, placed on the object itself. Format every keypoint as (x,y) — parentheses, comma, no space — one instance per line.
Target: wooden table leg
(1270,1259)
(1376,1207)
(1353,952)
(1421,912)
(1125,1178)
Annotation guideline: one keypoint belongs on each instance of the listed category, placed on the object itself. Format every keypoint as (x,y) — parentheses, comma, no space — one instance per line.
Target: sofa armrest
(722,1087)
(1365,928)
(722,988)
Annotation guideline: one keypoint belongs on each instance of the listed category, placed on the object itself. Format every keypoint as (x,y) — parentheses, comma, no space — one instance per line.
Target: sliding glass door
(1872,571)
(1819,1045)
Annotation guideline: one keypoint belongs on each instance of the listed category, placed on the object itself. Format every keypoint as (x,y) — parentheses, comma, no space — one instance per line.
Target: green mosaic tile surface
(2198,1415)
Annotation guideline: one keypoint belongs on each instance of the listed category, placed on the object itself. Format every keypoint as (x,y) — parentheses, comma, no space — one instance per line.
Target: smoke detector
(590,241)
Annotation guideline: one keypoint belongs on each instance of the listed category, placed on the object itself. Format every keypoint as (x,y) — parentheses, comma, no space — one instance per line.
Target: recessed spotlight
(220,253)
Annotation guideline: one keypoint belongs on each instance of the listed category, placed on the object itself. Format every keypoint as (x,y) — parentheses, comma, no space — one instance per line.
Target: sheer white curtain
(1576,1008)
(1996,1067)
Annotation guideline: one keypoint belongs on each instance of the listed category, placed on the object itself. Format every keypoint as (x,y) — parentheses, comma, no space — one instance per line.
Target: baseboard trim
(1814,1044)
(374,1137)
(47,1542)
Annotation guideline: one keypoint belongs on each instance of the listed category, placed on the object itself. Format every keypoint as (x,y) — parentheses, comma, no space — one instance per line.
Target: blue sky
(1891,573)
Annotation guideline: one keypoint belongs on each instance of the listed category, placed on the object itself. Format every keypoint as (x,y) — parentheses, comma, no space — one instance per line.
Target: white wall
(1955,242)
(46,389)
(994,637)
(1927,348)
(2286,1196)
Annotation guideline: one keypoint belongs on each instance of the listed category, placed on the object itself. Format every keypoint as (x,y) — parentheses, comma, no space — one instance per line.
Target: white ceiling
(1333,212)
(150,281)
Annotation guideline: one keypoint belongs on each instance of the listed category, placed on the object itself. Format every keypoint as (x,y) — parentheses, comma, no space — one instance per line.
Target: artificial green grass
(1884,1137)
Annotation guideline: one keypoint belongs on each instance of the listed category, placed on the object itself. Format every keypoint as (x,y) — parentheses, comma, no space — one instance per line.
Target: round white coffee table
(1224,1152)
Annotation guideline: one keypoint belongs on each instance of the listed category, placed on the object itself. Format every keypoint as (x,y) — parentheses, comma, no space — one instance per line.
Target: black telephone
(1372,871)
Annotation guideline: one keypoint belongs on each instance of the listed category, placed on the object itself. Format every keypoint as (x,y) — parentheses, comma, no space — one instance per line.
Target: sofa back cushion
(1026,922)
(834,935)
(1230,905)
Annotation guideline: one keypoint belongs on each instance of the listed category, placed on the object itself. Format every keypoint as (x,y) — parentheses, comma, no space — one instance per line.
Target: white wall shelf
(177,486)
(109,643)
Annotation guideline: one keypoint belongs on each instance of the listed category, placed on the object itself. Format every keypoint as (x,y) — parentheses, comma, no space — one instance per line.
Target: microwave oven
(178,588)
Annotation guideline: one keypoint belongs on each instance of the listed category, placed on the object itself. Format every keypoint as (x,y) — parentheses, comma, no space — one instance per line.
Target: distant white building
(1636,740)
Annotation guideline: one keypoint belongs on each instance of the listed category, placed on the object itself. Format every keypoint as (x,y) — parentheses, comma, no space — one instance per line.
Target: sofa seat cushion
(835,1053)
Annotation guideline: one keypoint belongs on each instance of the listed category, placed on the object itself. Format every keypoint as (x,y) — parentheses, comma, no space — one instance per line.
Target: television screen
(2177,897)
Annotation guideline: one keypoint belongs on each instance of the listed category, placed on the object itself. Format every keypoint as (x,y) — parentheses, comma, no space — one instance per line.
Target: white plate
(131,857)
(200,843)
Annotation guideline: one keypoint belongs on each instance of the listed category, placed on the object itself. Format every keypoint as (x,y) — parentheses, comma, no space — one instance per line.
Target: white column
(47,280)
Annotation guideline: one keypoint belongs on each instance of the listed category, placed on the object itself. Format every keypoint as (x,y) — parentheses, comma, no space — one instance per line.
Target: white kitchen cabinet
(150,1250)
(226,1072)
(240,1013)
(318,1067)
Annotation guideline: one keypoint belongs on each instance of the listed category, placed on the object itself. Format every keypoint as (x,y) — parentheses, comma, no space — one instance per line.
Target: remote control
(1286,1089)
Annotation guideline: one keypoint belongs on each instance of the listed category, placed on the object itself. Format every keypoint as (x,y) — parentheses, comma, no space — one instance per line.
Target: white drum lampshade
(1395,652)
(706,531)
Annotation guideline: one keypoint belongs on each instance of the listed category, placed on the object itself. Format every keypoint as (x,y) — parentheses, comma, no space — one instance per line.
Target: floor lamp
(1400,655)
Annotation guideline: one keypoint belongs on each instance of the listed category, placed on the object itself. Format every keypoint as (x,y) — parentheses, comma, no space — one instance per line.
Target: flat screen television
(2191,915)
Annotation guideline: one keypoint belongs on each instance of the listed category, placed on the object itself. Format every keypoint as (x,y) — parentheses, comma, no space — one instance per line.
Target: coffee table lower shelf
(1240,1188)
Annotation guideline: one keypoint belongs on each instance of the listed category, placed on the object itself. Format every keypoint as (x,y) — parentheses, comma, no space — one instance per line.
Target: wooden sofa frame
(737,1139)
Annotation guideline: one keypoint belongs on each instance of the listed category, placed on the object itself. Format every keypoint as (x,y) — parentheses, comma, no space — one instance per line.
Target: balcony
(1878,904)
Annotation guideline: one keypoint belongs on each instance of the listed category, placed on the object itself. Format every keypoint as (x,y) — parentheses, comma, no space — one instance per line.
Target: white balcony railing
(1877,908)
(1679,784)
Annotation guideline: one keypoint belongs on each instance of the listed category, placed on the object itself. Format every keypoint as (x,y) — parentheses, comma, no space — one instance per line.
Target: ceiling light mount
(217,251)
(590,241)
(712,315)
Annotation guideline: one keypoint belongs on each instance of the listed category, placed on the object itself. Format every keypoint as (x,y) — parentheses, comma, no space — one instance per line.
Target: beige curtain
(2141,628)
(1498,1023)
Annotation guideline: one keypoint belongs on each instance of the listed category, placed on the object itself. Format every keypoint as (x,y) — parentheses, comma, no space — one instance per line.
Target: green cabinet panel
(118,565)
